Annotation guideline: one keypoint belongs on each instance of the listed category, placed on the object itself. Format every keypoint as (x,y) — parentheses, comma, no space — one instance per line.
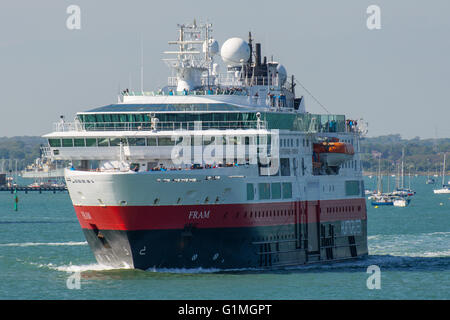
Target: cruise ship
(223,170)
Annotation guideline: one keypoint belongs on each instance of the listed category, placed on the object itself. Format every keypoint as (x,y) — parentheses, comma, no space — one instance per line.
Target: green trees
(421,156)
(23,150)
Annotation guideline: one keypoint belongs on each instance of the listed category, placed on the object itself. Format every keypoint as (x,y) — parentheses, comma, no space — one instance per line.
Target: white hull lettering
(199,214)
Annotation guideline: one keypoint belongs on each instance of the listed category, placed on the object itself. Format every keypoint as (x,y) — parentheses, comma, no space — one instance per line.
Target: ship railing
(224,84)
(68,126)
(160,126)
(233,91)
(227,79)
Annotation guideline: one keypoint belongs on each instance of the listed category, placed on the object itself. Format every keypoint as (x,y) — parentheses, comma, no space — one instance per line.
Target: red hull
(131,218)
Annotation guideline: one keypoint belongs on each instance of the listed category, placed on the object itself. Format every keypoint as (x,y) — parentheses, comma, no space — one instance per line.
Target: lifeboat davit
(332,154)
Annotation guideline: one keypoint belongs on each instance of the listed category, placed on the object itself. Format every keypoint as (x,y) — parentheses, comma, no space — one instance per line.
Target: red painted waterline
(218,215)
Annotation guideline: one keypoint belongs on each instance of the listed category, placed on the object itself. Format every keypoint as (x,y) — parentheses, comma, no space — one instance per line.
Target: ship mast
(193,60)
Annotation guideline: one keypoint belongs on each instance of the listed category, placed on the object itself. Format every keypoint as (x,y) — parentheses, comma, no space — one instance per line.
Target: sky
(397,77)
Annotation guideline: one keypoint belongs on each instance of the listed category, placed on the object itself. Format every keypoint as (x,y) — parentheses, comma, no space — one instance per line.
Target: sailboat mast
(443,171)
(403,178)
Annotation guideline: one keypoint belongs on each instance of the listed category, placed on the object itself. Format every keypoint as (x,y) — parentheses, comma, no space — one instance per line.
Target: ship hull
(269,239)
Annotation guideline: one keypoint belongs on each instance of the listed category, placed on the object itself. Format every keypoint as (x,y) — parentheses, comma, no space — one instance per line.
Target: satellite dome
(213,46)
(282,74)
(235,51)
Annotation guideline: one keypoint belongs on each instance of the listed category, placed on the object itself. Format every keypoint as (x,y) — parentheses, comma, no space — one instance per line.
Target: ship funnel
(258,54)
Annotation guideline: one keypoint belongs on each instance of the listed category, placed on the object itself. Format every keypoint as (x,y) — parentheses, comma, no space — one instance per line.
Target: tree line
(421,155)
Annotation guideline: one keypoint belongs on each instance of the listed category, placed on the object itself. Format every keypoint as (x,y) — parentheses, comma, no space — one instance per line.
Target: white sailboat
(445,188)
(401,202)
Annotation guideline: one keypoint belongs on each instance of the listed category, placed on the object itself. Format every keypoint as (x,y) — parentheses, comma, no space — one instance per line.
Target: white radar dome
(282,73)
(213,47)
(235,51)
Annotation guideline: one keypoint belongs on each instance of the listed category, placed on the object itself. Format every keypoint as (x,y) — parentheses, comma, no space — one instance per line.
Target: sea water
(44,255)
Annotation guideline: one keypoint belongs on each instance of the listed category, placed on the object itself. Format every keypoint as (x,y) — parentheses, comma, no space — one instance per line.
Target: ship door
(300,225)
(313,224)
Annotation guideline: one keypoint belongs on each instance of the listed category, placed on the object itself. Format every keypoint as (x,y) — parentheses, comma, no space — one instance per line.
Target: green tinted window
(151,141)
(91,142)
(287,190)
(114,142)
(250,192)
(352,188)
(103,142)
(276,190)
(165,141)
(264,190)
(136,142)
(78,142)
(55,143)
(67,142)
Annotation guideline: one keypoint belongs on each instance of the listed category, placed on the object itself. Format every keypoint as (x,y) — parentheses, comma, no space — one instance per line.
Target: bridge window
(151,142)
(78,142)
(103,142)
(54,143)
(166,141)
(138,142)
(91,142)
(67,142)
(114,142)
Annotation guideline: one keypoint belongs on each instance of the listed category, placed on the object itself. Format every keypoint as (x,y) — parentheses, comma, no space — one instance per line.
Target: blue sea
(43,255)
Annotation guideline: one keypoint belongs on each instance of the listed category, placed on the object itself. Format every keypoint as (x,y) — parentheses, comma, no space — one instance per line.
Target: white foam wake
(81,268)
(434,244)
(35,244)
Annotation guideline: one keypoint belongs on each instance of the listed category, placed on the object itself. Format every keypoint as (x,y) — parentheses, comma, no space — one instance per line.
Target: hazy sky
(397,78)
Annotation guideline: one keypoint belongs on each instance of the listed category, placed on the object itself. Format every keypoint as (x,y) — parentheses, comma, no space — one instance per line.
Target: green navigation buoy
(16,201)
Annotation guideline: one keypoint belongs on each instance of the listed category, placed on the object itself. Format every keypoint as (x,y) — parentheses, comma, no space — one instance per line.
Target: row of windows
(168,141)
(265,214)
(297,121)
(350,164)
(285,236)
(167,117)
(155,141)
(289,143)
(267,191)
(289,212)
(342,209)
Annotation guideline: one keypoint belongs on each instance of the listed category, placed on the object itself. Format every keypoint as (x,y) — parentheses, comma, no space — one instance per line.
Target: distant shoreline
(424,174)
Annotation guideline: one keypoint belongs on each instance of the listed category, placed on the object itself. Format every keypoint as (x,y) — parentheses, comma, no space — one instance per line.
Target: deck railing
(159,126)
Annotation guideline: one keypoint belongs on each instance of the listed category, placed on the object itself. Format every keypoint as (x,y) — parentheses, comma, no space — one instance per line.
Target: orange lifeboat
(332,153)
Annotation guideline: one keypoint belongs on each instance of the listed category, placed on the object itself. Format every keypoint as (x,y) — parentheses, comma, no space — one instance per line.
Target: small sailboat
(445,187)
(401,202)
(430,180)
(401,190)
(379,198)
